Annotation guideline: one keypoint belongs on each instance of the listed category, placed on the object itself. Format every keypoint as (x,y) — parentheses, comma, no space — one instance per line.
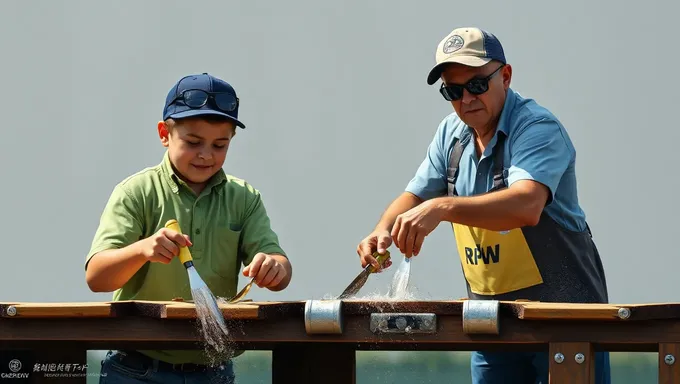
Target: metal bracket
(323,316)
(406,323)
(481,316)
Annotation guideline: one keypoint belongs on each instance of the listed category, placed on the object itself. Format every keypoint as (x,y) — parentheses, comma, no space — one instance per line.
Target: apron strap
(457,154)
(452,170)
(498,172)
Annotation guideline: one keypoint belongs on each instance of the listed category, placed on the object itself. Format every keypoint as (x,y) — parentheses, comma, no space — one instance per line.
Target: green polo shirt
(227,224)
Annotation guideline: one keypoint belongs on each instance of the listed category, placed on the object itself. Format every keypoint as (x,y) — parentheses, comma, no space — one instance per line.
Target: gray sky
(339,117)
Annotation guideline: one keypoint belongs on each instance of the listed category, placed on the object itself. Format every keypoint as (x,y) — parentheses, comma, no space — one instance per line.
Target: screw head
(580,358)
(669,359)
(559,358)
(11,310)
(624,313)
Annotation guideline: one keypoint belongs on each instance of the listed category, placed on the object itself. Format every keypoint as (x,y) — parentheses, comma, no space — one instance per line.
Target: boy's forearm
(289,272)
(401,204)
(110,269)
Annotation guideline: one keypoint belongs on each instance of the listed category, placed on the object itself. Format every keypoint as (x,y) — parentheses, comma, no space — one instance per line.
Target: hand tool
(361,279)
(203,297)
(239,296)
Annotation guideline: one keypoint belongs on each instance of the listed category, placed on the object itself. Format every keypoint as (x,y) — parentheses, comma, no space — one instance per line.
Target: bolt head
(11,310)
(559,358)
(669,359)
(624,313)
(580,358)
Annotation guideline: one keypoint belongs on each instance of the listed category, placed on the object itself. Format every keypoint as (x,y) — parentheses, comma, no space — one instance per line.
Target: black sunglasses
(196,98)
(476,86)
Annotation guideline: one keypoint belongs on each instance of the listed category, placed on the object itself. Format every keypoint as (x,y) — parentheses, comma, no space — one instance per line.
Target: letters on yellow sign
(485,270)
(474,255)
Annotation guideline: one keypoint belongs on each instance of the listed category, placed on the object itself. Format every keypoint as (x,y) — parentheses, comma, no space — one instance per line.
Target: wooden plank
(567,368)
(53,310)
(524,310)
(314,364)
(669,363)
(155,309)
(230,311)
(565,311)
(580,311)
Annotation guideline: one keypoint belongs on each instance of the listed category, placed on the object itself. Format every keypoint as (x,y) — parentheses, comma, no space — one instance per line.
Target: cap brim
(471,61)
(199,112)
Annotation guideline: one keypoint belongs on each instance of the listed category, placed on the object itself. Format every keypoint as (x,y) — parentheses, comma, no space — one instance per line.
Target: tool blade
(360,280)
(356,284)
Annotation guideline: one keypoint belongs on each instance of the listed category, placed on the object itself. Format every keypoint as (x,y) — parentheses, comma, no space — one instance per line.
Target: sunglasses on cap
(477,86)
(197,98)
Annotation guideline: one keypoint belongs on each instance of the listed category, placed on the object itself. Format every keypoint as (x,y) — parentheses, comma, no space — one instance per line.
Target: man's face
(197,148)
(479,111)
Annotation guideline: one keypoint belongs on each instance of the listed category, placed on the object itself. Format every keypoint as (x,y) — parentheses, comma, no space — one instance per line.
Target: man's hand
(268,271)
(411,227)
(376,241)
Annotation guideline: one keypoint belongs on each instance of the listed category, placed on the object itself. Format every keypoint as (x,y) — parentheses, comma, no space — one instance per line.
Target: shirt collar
(508,106)
(174,180)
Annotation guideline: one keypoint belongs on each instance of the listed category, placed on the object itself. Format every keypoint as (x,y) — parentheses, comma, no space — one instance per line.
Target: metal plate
(404,323)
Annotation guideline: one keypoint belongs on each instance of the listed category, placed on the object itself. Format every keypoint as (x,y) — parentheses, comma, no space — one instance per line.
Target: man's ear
(163,133)
(507,75)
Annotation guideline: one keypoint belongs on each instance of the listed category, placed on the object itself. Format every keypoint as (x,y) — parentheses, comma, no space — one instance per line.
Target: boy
(223,220)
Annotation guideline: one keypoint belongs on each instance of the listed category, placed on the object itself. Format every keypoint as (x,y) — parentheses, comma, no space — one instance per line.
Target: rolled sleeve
(257,232)
(120,223)
(540,153)
(430,178)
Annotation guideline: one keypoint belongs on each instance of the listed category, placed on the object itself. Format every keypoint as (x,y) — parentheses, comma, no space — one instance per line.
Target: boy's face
(196,147)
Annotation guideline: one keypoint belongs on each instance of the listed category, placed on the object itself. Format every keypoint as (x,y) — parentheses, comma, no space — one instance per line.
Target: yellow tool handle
(381,259)
(184,254)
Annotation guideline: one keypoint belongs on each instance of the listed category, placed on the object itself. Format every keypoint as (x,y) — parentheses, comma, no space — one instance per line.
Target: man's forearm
(111,269)
(497,211)
(401,204)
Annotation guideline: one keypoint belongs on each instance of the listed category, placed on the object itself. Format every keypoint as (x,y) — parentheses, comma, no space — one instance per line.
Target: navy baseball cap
(222,101)
(468,46)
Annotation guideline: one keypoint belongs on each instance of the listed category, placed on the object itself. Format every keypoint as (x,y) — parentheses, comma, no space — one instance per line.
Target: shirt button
(198,231)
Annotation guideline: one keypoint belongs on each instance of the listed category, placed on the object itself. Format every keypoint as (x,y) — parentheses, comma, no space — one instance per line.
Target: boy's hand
(163,245)
(269,272)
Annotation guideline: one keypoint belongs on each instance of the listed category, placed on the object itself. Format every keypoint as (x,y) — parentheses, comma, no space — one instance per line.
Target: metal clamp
(481,316)
(323,316)
(405,323)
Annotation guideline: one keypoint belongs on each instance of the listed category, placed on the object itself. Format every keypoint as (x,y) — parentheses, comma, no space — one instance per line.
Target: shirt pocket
(225,261)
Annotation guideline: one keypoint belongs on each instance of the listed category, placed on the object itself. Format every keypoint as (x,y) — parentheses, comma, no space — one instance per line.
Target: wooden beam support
(669,363)
(572,363)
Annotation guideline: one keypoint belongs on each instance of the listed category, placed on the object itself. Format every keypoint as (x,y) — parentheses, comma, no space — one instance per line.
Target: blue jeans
(115,371)
(524,368)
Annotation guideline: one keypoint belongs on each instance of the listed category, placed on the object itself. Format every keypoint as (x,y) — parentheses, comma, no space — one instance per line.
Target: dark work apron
(544,262)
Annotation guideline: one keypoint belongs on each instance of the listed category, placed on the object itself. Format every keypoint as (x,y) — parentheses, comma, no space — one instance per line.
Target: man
(501,170)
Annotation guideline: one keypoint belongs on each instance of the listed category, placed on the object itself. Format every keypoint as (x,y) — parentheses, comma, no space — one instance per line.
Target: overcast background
(338,118)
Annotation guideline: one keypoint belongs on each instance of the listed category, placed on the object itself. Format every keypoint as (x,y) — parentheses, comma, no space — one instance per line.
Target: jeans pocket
(115,371)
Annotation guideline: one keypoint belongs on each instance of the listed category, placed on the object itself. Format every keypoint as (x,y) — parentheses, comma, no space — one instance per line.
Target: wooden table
(63,332)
